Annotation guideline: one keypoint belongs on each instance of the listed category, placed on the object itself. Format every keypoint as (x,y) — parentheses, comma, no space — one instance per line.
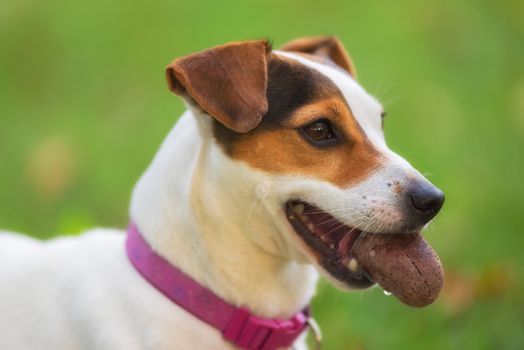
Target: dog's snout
(426,199)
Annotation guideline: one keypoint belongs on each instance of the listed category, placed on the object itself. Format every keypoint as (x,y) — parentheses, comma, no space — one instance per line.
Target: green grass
(84,106)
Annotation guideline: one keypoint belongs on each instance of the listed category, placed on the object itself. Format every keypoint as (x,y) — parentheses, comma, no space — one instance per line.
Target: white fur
(217,219)
(77,293)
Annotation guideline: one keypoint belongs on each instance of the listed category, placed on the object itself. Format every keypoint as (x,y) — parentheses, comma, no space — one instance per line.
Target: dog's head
(303,137)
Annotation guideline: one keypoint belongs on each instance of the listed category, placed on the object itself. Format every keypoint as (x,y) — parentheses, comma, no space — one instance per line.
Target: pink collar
(236,324)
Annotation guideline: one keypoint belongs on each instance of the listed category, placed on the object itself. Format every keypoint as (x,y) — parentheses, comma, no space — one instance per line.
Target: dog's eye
(319,133)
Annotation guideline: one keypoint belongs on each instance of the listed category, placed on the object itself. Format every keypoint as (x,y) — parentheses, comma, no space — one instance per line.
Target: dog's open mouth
(403,264)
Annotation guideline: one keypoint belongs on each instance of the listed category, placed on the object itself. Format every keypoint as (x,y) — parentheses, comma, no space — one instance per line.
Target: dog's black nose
(426,199)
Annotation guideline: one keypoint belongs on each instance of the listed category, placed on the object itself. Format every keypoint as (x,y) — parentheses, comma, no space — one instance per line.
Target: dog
(277,173)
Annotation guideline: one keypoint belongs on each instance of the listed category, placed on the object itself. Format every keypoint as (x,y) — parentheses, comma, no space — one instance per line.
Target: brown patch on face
(397,188)
(290,86)
(284,150)
(298,95)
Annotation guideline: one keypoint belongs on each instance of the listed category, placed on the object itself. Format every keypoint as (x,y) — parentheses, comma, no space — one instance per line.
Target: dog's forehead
(365,108)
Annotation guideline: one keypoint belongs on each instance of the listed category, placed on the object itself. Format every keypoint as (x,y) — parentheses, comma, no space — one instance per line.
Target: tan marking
(397,188)
(284,150)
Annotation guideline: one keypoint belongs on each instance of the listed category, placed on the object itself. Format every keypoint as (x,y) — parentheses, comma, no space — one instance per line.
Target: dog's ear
(324,46)
(228,82)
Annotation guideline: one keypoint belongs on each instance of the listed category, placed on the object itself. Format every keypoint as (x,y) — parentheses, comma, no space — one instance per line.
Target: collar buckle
(254,333)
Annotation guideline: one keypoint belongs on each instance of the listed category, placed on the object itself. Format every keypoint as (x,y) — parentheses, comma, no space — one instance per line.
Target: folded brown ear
(229,82)
(324,46)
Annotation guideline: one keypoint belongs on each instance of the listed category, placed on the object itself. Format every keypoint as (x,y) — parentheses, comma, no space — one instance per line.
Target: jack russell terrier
(278,171)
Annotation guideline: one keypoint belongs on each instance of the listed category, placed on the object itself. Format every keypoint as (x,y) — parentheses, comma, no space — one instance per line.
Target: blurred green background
(84,106)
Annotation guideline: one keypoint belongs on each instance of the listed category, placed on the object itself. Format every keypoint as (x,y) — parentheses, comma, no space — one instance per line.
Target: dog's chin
(329,244)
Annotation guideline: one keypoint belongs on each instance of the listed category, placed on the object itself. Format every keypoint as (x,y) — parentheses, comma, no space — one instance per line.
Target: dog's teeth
(299,208)
(304,219)
(352,265)
(332,246)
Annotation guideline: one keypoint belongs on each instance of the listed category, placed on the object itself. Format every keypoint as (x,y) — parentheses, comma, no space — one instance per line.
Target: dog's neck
(203,218)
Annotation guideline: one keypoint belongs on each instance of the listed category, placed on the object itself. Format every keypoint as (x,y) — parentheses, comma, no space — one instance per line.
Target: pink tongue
(403,264)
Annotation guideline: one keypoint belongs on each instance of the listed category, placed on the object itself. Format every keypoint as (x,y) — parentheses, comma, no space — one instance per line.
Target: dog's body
(82,292)
(212,209)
